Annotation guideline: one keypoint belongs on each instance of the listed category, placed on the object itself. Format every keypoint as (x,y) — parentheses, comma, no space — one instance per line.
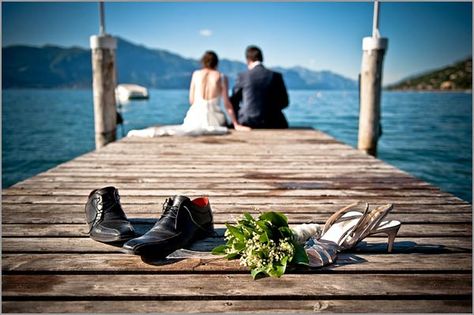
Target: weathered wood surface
(236,285)
(87,262)
(50,265)
(84,245)
(240,306)
(79,230)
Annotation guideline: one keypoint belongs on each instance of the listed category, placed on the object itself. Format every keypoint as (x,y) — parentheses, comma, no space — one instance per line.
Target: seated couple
(257,101)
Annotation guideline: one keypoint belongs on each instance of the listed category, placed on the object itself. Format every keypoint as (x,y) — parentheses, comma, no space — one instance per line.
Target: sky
(315,35)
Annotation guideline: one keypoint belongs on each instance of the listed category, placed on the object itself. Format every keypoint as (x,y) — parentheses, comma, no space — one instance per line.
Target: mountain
(302,78)
(457,76)
(45,67)
(59,67)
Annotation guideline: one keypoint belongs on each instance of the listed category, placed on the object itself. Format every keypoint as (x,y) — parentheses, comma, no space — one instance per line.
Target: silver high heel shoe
(347,227)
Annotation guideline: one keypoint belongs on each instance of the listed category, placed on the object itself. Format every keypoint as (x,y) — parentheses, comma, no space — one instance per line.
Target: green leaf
(285,231)
(219,250)
(232,256)
(265,226)
(263,238)
(299,255)
(255,272)
(280,268)
(276,218)
(248,217)
(239,246)
(235,232)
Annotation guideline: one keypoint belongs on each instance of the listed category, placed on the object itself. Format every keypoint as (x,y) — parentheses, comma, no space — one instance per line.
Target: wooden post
(104,82)
(370,88)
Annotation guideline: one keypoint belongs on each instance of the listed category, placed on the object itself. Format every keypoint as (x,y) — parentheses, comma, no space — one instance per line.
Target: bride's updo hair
(209,60)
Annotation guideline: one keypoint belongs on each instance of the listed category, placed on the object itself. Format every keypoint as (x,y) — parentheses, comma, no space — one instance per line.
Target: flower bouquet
(266,245)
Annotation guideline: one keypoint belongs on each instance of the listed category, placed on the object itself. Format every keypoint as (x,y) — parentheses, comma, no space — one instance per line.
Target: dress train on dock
(204,117)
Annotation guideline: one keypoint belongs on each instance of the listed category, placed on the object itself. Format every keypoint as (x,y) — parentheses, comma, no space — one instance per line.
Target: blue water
(426,134)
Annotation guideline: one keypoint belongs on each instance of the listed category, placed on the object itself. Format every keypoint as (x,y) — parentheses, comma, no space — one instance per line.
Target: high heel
(368,223)
(371,224)
(390,228)
(343,222)
(347,227)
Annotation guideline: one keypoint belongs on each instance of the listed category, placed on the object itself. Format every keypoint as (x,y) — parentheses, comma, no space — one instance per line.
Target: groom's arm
(236,96)
(280,91)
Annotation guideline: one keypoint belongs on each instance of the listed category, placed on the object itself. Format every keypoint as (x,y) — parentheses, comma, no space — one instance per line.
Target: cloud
(205,32)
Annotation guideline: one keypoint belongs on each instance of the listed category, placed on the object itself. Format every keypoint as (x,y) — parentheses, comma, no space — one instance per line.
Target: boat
(126,92)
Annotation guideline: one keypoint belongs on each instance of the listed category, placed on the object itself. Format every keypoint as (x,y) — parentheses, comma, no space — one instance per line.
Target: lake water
(426,134)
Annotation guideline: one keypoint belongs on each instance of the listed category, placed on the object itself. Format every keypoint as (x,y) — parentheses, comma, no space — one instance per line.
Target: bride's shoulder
(197,75)
(197,72)
(217,74)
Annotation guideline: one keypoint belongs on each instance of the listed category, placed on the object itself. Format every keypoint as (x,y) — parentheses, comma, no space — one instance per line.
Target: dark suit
(259,96)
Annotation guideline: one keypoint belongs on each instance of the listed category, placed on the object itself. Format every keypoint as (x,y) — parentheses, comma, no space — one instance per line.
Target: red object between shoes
(201,202)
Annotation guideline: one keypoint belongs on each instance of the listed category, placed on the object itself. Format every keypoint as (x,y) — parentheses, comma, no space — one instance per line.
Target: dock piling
(104,82)
(370,88)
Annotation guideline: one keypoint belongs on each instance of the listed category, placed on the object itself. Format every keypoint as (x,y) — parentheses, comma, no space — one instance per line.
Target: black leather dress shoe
(107,221)
(183,221)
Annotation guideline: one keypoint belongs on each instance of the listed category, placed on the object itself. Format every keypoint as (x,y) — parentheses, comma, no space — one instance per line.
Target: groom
(259,94)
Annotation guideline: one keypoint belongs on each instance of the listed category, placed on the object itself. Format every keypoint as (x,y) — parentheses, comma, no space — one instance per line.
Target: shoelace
(169,210)
(172,212)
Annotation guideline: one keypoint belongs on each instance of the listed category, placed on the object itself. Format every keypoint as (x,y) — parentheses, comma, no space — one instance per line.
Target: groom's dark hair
(253,53)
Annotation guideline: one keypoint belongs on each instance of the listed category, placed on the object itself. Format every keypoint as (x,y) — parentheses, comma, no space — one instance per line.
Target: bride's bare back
(205,84)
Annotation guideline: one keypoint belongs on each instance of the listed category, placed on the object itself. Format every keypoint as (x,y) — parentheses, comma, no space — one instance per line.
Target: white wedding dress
(204,117)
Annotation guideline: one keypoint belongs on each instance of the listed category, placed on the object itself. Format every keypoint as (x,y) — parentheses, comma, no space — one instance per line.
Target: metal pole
(102,18)
(375,25)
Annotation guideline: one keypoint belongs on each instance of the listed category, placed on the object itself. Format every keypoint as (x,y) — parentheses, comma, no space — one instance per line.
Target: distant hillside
(454,77)
(45,67)
(58,67)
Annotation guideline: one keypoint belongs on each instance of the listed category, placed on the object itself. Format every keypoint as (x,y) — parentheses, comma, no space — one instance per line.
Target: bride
(208,87)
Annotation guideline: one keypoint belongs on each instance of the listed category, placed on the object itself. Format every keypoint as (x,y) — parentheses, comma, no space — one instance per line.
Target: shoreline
(434,90)
(181,89)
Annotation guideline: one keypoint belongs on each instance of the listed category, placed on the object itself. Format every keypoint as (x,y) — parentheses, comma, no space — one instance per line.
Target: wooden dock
(51,265)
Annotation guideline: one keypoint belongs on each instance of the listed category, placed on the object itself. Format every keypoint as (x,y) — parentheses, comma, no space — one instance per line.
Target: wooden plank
(130,193)
(161,163)
(158,150)
(219,168)
(237,285)
(9,211)
(218,143)
(217,146)
(351,177)
(242,306)
(207,165)
(225,160)
(222,184)
(256,178)
(77,230)
(346,262)
(222,172)
(229,156)
(369,245)
(250,199)
(275,134)
(76,215)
